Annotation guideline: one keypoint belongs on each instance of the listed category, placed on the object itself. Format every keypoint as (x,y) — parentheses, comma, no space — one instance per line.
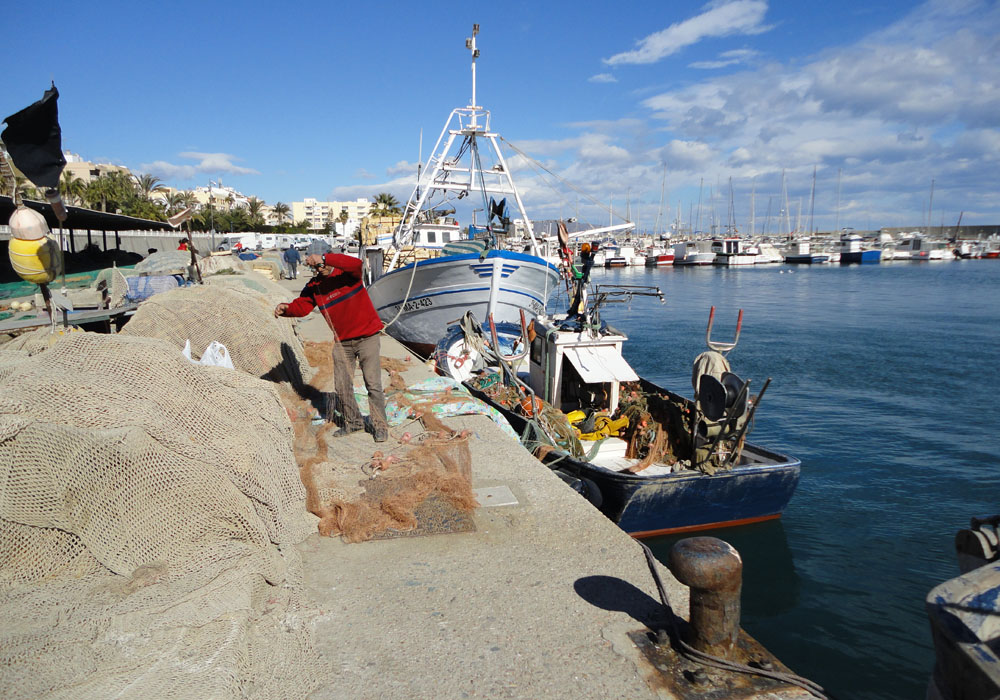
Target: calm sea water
(884,385)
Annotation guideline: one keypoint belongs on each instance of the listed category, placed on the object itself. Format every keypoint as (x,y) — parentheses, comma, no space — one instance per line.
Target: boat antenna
(420,159)
(470,44)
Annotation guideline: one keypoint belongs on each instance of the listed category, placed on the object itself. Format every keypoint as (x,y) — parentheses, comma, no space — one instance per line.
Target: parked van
(248,240)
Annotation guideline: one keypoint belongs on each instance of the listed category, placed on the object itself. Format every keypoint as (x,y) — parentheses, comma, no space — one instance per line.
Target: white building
(319,214)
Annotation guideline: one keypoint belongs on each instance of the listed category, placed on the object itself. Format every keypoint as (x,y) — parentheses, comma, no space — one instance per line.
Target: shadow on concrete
(610,593)
(288,371)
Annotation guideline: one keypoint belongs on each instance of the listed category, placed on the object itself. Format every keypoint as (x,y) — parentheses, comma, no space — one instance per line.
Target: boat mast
(471,45)
(812,203)
(930,208)
(838,200)
(659,212)
(784,199)
(455,168)
(701,184)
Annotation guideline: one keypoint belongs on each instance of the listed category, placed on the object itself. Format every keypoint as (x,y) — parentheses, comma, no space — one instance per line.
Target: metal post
(714,571)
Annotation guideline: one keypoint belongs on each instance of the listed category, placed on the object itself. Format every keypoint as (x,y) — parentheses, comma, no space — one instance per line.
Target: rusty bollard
(714,571)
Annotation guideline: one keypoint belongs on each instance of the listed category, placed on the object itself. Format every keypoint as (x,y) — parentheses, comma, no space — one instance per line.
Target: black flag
(498,210)
(34,141)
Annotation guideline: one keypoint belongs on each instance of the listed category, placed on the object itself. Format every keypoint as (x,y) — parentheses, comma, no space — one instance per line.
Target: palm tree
(72,187)
(174,202)
(147,184)
(385,204)
(255,209)
(96,192)
(342,220)
(280,210)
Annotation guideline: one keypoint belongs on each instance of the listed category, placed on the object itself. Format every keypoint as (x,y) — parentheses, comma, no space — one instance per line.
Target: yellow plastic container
(38,261)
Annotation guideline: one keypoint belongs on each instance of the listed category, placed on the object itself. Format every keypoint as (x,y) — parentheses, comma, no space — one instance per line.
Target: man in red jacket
(343,300)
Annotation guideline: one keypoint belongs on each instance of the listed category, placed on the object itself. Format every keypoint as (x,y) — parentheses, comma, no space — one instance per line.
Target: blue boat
(803,256)
(852,251)
(651,460)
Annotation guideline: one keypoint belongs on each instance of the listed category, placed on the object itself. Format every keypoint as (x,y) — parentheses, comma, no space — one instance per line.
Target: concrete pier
(537,602)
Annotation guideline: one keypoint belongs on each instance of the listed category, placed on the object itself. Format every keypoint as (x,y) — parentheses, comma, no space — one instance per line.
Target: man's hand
(314,260)
(280,309)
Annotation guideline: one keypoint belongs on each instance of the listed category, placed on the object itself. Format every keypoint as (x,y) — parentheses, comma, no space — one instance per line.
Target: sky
(645,107)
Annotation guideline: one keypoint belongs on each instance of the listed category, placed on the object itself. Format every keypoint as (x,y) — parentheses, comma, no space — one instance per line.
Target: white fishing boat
(418,299)
(766,254)
(732,251)
(694,253)
(916,247)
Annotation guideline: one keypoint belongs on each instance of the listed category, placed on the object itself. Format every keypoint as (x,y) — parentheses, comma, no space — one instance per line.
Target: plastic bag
(216,355)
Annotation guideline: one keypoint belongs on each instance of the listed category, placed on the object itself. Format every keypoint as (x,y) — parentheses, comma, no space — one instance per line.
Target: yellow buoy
(34,255)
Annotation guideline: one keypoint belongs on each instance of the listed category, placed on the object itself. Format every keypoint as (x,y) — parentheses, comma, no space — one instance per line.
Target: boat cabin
(436,234)
(572,369)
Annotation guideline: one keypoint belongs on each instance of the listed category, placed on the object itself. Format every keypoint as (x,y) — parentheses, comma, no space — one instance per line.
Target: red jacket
(341,298)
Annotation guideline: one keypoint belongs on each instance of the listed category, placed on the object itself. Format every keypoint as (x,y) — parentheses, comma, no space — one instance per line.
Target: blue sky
(328,100)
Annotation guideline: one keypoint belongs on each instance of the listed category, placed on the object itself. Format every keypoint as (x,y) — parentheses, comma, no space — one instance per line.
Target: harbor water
(884,385)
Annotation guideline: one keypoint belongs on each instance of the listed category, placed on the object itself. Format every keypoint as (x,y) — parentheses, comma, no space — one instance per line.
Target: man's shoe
(381,434)
(346,430)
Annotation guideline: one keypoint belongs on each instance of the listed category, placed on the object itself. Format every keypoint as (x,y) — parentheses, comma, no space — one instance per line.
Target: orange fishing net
(360,492)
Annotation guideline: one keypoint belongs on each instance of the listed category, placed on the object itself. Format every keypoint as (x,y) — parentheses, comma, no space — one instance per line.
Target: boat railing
(716,345)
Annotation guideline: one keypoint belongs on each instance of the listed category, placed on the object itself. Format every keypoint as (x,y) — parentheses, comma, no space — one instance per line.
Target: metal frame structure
(458,170)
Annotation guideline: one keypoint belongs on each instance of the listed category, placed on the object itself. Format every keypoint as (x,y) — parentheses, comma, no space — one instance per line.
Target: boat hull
(759,488)
(863,257)
(444,288)
(811,259)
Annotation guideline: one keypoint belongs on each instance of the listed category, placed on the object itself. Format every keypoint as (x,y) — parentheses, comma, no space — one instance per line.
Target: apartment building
(319,214)
(87,171)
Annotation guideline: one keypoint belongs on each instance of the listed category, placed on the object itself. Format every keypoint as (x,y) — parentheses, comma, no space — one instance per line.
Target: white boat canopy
(600,364)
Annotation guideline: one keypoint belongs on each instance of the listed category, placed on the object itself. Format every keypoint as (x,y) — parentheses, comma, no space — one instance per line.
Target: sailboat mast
(812,203)
(930,208)
(838,199)
(659,212)
(784,204)
(701,184)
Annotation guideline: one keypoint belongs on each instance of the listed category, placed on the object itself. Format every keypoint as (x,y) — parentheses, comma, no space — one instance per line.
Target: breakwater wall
(139,242)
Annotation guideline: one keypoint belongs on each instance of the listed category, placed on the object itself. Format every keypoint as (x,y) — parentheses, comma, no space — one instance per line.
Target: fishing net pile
(360,492)
(273,292)
(148,508)
(234,314)
(164,262)
(214,264)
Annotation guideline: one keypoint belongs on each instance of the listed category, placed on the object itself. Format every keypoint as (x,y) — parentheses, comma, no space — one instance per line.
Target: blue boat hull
(757,489)
(862,257)
(806,259)
(647,506)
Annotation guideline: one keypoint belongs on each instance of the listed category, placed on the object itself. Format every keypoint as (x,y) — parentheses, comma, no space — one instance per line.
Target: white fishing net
(147,510)
(232,312)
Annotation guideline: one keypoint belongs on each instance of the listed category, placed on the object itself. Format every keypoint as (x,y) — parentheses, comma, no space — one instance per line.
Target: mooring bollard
(714,572)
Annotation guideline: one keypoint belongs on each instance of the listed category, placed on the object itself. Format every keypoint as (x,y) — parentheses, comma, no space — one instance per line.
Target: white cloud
(888,112)
(602,78)
(403,167)
(718,20)
(207,164)
(726,58)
